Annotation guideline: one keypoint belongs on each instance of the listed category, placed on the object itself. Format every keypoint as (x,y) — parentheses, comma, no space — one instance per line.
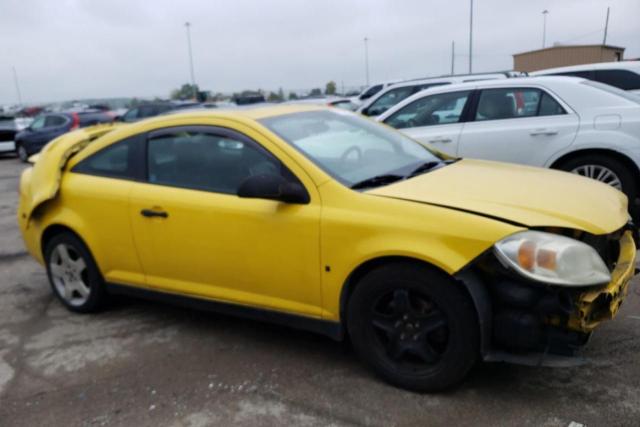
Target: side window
(54,121)
(496,104)
(438,109)
(131,115)
(549,106)
(623,79)
(38,123)
(372,91)
(388,100)
(116,161)
(204,160)
(147,111)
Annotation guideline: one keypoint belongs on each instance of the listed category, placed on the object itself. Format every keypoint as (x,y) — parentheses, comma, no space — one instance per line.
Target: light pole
(471,37)
(193,78)
(544,27)
(366,59)
(453,57)
(15,80)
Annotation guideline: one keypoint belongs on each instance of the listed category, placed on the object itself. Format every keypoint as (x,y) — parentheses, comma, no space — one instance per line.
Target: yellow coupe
(321,219)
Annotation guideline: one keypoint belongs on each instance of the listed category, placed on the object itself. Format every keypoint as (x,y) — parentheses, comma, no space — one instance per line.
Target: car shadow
(484,377)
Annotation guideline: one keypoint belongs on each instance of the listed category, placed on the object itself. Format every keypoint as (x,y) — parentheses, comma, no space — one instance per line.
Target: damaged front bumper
(595,305)
(544,325)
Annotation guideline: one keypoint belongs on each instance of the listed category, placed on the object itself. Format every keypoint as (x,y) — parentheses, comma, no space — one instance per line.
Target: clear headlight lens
(554,259)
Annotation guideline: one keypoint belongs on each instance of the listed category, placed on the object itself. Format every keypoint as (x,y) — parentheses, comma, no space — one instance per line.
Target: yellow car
(323,220)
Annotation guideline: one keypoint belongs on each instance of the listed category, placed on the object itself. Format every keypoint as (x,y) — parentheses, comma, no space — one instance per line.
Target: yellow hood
(42,182)
(525,195)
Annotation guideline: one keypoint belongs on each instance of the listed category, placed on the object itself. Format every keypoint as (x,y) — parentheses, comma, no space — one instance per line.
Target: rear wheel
(607,170)
(73,274)
(22,152)
(414,326)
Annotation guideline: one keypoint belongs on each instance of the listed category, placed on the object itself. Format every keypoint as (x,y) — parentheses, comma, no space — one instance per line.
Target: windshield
(348,147)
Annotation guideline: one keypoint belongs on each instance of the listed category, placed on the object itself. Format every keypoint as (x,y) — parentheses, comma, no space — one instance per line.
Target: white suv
(624,75)
(393,94)
(567,123)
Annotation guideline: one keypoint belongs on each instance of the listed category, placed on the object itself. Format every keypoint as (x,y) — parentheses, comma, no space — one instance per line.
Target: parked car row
(49,126)
(394,93)
(26,138)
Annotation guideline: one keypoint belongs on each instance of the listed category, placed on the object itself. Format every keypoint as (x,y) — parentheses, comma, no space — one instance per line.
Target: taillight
(75,124)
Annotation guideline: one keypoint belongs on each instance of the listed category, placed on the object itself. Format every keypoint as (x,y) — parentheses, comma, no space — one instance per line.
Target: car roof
(515,81)
(620,65)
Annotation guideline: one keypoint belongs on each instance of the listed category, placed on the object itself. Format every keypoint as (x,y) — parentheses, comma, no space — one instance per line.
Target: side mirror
(273,187)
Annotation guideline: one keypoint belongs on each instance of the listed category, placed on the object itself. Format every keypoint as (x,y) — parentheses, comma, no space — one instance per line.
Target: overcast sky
(72,49)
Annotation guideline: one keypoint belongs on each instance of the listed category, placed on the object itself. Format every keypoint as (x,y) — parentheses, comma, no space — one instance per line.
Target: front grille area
(607,246)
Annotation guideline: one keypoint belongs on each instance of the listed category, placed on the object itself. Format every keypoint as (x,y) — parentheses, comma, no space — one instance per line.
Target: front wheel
(415,326)
(73,274)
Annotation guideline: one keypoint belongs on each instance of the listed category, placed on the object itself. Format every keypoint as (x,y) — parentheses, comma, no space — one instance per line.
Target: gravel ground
(149,364)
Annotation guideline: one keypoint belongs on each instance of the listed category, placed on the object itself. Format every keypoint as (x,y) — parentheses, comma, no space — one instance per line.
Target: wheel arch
(53,230)
(633,167)
(473,286)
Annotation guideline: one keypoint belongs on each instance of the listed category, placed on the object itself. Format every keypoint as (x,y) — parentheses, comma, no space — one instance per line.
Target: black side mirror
(273,187)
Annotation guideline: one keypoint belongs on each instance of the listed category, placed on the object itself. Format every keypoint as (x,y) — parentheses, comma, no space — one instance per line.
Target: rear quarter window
(118,160)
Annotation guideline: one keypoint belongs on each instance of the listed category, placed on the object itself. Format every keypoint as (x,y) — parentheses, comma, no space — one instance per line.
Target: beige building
(566,55)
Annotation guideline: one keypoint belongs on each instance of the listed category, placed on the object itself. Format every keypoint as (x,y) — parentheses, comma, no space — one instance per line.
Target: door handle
(543,132)
(440,139)
(149,213)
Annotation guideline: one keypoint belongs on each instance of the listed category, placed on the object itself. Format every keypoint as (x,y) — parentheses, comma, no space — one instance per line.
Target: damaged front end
(530,322)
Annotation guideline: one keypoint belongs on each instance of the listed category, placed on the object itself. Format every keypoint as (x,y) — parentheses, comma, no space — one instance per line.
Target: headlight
(551,258)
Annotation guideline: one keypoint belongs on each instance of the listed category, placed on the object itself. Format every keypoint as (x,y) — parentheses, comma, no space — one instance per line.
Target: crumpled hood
(533,197)
(44,177)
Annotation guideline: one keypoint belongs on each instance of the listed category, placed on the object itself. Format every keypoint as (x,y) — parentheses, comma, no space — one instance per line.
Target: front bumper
(532,323)
(594,306)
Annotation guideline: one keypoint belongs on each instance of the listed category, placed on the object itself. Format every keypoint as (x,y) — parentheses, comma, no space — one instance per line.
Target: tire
(626,177)
(429,347)
(74,277)
(22,153)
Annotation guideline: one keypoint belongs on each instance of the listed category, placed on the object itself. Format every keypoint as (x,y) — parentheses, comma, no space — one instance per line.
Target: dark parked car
(153,109)
(48,126)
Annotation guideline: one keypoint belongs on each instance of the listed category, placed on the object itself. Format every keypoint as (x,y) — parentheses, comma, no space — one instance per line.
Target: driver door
(434,120)
(196,236)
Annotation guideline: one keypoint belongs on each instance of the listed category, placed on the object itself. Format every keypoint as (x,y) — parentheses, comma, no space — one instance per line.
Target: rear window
(52,121)
(623,79)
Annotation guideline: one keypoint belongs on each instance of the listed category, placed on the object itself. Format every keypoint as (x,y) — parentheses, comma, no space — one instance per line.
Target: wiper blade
(429,166)
(376,181)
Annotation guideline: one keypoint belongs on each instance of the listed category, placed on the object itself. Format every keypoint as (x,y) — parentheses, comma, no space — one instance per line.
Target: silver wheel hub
(69,274)
(599,173)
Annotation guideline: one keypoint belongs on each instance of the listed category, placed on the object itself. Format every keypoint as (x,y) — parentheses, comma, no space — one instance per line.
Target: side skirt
(333,330)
